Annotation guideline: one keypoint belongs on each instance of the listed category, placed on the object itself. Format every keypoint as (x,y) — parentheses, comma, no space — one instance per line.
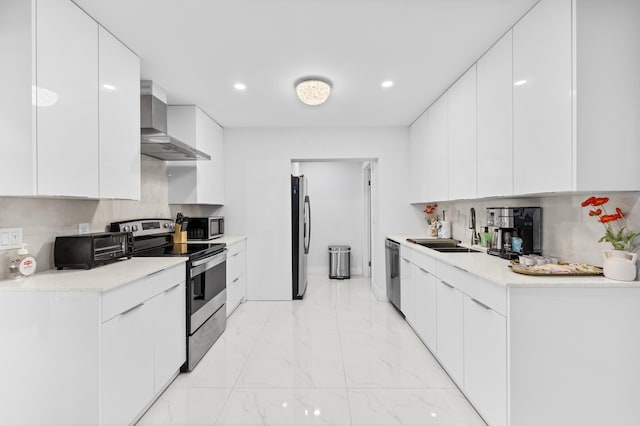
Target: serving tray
(562,268)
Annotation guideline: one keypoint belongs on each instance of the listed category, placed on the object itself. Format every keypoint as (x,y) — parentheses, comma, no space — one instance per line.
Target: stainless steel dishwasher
(392,260)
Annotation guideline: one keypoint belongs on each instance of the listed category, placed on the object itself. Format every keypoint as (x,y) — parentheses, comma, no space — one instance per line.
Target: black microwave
(205,228)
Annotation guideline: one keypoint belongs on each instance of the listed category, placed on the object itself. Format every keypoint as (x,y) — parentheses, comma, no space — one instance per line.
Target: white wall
(258,205)
(337,214)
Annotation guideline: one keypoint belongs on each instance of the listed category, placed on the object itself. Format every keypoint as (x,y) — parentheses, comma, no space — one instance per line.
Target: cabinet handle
(481,304)
(449,285)
(132,309)
(236,280)
(460,269)
(235,254)
(171,288)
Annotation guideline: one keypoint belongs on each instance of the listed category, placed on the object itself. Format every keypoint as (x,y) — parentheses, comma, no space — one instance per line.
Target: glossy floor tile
(337,357)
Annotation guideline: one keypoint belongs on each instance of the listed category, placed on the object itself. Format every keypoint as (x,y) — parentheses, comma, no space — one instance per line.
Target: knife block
(179,236)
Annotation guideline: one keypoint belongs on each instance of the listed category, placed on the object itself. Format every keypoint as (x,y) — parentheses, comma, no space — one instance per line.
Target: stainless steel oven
(206,310)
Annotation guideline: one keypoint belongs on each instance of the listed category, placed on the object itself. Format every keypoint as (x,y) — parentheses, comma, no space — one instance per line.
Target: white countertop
(495,269)
(99,279)
(228,240)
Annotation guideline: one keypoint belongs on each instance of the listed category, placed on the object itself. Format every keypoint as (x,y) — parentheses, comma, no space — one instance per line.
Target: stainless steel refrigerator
(300,233)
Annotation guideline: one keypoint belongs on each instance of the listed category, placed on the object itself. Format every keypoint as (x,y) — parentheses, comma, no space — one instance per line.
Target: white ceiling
(198,49)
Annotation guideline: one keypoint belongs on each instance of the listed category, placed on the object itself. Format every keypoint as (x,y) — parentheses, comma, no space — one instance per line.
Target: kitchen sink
(443,245)
(458,249)
(435,242)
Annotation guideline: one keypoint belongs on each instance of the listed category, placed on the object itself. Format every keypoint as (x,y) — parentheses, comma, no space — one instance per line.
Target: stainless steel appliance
(205,228)
(206,277)
(154,140)
(86,251)
(392,262)
(301,234)
(509,223)
(339,262)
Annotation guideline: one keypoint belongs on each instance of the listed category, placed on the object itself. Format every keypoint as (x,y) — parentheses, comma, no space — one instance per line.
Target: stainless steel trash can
(340,262)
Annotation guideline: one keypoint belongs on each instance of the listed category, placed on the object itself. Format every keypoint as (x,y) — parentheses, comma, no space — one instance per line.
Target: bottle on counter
(485,237)
(23,266)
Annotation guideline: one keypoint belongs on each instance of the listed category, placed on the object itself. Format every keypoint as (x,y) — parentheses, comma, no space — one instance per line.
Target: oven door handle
(202,265)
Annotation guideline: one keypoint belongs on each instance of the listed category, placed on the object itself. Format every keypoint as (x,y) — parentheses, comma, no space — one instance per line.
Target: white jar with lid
(23,266)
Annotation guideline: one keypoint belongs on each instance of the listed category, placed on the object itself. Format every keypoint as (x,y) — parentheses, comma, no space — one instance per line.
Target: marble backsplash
(567,230)
(42,220)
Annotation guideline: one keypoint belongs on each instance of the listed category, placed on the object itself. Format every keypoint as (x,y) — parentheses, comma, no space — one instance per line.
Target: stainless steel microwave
(205,228)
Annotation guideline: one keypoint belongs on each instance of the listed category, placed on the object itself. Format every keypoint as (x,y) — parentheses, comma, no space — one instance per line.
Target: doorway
(341,203)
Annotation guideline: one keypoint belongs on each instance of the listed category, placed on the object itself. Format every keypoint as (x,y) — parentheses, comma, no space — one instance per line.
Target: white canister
(620,265)
(444,230)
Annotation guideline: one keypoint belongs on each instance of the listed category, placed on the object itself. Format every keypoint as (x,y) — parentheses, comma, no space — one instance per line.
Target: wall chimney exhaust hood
(154,140)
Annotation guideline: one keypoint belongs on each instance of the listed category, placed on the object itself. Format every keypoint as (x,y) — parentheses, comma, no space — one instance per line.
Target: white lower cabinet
(83,357)
(127,373)
(236,275)
(485,360)
(143,345)
(450,330)
(407,291)
(529,354)
(169,342)
(425,307)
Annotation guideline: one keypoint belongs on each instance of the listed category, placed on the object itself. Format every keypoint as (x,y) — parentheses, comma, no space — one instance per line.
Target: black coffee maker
(516,231)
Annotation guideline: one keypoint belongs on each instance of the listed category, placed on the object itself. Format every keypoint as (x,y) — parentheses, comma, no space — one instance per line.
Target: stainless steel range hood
(155,142)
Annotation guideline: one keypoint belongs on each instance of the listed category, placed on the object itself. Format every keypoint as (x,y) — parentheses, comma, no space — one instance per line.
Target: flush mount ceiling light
(240,86)
(387,84)
(313,90)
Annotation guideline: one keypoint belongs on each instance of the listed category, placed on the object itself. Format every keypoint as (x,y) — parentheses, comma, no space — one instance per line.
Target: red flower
(595,212)
(589,201)
(600,201)
(619,212)
(609,218)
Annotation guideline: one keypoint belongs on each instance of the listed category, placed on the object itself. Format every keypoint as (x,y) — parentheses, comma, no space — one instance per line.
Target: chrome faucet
(475,237)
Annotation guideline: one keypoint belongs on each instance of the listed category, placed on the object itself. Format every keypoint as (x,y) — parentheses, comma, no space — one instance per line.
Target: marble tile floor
(338,357)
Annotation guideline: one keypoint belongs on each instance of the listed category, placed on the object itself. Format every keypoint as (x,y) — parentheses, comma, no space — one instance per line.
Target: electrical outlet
(10,238)
(84,228)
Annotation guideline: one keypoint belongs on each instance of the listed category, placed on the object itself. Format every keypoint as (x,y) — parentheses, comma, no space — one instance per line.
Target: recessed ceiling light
(520,82)
(387,83)
(313,90)
(239,86)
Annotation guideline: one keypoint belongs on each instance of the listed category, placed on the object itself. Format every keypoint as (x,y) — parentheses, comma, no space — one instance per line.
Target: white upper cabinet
(67,112)
(66,133)
(437,147)
(461,107)
(119,141)
(542,113)
(495,126)
(607,87)
(419,158)
(196,182)
(17,77)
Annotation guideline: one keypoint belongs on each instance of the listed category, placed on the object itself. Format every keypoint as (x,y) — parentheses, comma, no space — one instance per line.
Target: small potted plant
(431,218)
(619,263)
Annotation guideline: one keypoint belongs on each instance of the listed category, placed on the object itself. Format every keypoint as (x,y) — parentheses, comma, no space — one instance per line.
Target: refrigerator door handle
(307,227)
